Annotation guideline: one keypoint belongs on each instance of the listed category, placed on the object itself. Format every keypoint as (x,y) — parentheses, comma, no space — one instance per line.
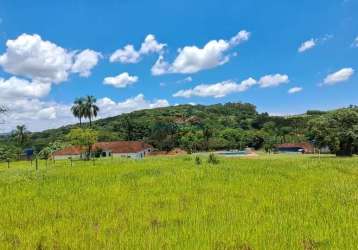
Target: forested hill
(198,127)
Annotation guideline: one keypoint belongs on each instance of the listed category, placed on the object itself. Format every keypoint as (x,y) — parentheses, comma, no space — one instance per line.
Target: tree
(85,138)
(21,135)
(338,130)
(78,109)
(90,108)
(8,152)
(164,134)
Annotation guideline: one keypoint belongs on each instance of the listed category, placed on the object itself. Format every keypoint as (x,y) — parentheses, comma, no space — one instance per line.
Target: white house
(127,149)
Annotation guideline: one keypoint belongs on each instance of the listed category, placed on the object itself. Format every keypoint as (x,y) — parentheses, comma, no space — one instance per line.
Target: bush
(213,159)
(197,160)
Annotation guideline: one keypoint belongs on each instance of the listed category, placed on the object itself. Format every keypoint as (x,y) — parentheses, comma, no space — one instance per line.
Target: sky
(285,57)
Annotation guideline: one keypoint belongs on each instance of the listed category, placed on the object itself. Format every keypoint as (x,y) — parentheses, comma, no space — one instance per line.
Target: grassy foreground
(284,202)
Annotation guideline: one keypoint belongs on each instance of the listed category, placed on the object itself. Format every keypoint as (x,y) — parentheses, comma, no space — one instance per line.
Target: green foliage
(8,152)
(85,138)
(195,128)
(338,130)
(197,160)
(213,159)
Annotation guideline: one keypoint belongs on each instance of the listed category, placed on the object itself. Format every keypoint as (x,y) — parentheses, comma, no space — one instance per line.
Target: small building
(303,148)
(127,149)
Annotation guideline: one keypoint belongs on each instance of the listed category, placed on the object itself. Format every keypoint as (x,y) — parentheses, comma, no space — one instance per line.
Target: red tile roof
(122,147)
(69,151)
(117,147)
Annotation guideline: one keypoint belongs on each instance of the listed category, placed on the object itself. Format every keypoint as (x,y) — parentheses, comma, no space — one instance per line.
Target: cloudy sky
(283,56)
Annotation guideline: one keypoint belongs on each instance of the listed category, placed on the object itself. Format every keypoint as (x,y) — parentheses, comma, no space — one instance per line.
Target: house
(127,149)
(304,148)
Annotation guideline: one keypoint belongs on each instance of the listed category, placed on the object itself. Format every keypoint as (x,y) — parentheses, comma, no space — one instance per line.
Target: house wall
(138,155)
(66,157)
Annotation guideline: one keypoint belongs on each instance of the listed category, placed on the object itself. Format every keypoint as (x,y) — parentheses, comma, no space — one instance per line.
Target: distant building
(303,148)
(127,149)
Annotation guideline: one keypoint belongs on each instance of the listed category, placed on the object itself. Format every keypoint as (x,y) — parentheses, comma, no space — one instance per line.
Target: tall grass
(288,202)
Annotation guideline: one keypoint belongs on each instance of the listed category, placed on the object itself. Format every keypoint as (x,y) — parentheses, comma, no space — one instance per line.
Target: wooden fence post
(37,163)
(8,163)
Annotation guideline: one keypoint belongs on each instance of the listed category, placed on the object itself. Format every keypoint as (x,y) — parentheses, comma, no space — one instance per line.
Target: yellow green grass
(280,202)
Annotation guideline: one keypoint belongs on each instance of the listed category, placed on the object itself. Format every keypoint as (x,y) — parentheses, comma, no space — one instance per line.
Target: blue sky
(39,89)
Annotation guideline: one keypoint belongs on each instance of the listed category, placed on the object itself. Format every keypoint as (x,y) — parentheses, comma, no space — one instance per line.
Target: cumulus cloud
(39,115)
(111,108)
(32,57)
(339,76)
(307,45)
(217,90)
(130,55)
(355,43)
(121,80)
(192,59)
(85,61)
(36,114)
(273,80)
(15,87)
(295,90)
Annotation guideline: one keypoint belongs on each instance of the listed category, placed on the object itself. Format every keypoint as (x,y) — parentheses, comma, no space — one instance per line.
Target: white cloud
(273,80)
(186,80)
(110,108)
(85,61)
(35,114)
(339,76)
(130,55)
(307,45)
(355,43)
(217,90)
(19,88)
(295,90)
(38,115)
(242,36)
(126,55)
(151,45)
(121,80)
(313,42)
(192,59)
(30,56)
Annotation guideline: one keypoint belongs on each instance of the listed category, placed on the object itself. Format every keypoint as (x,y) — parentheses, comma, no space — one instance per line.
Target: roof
(117,147)
(69,151)
(121,147)
(305,145)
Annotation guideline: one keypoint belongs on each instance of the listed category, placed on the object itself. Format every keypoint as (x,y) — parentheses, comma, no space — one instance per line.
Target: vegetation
(85,107)
(84,138)
(271,202)
(208,128)
(337,130)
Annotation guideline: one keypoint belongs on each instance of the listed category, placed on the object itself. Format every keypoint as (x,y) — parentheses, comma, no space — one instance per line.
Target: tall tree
(90,108)
(78,109)
(338,130)
(85,138)
(21,135)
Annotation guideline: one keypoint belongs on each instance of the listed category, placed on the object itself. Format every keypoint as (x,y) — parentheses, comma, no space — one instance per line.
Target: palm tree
(20,134)
(90,108)
(78,109)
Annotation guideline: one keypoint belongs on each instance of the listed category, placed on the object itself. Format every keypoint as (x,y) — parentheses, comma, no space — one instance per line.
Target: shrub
(213,159)
(197,160)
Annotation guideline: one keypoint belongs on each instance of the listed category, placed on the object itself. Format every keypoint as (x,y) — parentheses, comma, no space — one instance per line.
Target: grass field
(279,202)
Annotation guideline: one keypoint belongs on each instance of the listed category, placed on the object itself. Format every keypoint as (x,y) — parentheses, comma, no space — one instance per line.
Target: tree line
(200,128)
